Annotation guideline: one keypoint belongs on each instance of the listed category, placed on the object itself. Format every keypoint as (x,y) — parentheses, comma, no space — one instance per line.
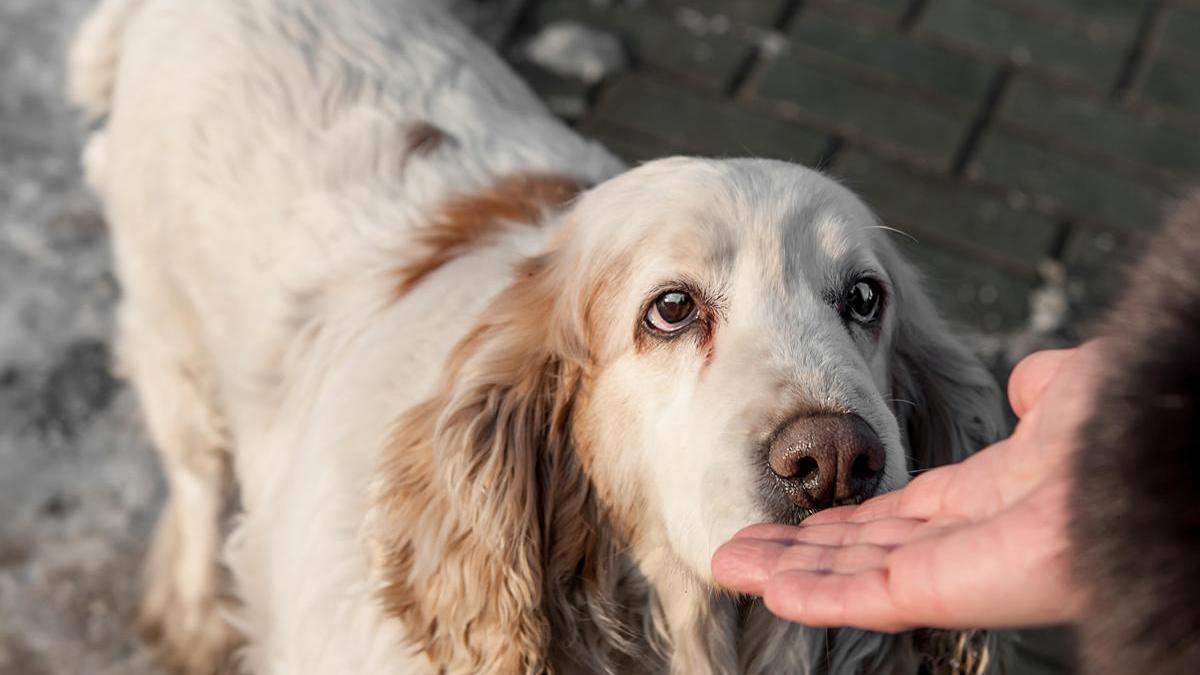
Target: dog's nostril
(806,468)
(862,469)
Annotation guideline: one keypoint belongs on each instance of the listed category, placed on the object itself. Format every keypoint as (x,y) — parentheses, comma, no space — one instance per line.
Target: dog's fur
(367,271)
(1136,497)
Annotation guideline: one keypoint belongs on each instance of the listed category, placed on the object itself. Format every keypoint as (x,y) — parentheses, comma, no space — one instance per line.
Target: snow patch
(572,50)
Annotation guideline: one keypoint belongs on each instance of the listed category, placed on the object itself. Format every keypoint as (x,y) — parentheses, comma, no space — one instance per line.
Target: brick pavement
(1025,144)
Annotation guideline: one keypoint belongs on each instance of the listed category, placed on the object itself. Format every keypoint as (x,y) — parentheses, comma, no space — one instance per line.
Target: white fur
(251,172)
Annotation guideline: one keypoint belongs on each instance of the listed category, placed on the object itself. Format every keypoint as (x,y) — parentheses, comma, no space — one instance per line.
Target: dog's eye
(863,300)
(672,311)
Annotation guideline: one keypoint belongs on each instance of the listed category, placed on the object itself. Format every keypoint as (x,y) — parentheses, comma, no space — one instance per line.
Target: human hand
(977,544)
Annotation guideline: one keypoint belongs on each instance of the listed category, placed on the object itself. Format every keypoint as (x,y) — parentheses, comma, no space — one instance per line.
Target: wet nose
(825,460)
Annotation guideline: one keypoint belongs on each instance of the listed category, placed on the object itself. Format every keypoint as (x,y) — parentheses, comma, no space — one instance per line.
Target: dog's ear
(947,403)
(481,501)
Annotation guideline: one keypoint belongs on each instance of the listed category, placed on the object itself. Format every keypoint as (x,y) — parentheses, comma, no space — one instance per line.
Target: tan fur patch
(465,220)
(491,541)
(623,504)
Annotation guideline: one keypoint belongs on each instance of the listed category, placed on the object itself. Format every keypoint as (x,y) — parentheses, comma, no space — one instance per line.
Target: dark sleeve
(1136,501)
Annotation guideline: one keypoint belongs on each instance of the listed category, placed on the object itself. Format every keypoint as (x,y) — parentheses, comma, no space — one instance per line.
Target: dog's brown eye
(863,300)
(672,311)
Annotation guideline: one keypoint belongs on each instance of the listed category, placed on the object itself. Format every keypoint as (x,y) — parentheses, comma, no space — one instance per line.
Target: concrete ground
(1027,146)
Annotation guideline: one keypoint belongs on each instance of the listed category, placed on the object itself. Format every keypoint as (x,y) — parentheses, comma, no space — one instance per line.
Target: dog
(490,399)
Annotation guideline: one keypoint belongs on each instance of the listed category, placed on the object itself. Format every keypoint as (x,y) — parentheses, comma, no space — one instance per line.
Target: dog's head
(704,345)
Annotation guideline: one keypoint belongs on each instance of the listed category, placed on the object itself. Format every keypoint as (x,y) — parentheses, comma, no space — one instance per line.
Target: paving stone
(1093,126)
(1097,262)
(882,51)
(1179,31)
(1107,19)
(1057,181)
(1171,83)
(798,83)
(974,294)
(1023,38)
(936,209)
(757,12)
(880,10)
(632,146)
(703,124)
(658,40)
(564,96)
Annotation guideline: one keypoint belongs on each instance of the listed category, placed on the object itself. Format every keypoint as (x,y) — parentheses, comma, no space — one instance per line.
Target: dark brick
(1179,31)
(656,39)
(971,293)
(935,209)
(704,125)
(492,21)
(1024,38)
(798,84)
(1094,126)
(631,146)
(565,96)
(1097,261)
(1104,19)
(880,10)
(757,12)
(1058,182)
(880,51)
(1171,83)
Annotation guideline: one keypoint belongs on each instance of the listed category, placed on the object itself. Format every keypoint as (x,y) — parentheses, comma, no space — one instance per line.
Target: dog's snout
(824,460)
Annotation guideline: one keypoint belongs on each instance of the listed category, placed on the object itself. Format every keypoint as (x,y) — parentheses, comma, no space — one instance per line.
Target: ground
(1025,146)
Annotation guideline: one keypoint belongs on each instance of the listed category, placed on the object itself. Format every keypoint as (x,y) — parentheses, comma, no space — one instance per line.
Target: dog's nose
(823,460)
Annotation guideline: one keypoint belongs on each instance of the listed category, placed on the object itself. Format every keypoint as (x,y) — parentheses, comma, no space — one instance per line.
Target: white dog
(490,400)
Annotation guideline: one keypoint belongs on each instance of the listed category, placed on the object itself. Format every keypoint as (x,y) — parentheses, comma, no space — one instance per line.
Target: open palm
(976,544)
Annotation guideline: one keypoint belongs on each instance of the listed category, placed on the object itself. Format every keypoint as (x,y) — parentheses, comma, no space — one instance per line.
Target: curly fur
(500,533)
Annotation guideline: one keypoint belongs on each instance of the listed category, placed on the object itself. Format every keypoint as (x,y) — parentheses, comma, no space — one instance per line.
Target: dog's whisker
(920,470)
(892,229)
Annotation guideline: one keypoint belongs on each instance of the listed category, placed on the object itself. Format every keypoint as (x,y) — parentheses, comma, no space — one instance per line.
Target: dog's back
(250,152)
(243,129)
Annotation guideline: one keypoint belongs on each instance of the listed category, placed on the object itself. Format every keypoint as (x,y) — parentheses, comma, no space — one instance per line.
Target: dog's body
(262,131)
(349,237)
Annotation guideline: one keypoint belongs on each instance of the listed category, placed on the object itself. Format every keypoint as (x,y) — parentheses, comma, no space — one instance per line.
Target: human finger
(744,564)
(813,598)
(1031,376)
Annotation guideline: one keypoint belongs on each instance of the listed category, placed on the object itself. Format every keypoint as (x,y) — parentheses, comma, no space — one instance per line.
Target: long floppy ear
(947,403)
(480,499)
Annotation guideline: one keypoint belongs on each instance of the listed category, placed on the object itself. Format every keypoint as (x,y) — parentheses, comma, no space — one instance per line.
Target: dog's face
(741,328)
(702,345)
